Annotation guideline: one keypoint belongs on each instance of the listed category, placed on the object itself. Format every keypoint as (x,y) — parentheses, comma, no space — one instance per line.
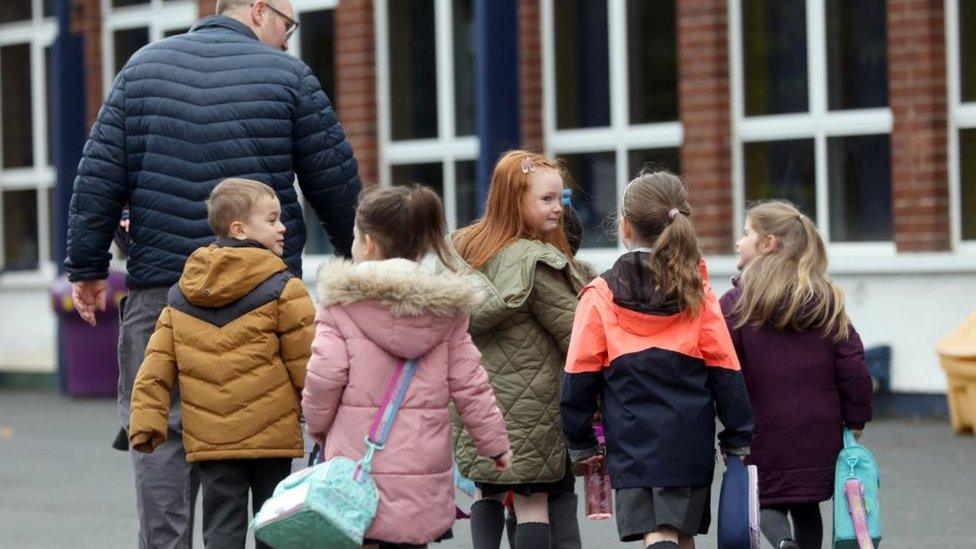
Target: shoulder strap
(385,416)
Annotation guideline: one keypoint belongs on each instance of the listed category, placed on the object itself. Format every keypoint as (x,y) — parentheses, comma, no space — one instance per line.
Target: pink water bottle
(596,486)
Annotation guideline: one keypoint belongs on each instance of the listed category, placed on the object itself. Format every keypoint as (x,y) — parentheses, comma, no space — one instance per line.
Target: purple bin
(89,357)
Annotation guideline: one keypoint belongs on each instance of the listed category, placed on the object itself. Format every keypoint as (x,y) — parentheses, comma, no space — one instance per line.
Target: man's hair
(232,200)
(224,5)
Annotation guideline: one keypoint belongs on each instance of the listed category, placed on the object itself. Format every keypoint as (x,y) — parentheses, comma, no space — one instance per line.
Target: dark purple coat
(804,388)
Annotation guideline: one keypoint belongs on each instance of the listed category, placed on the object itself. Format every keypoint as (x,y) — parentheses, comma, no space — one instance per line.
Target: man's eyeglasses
(292,24)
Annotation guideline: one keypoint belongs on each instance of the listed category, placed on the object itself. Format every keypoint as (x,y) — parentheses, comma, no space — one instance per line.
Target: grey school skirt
(642,510)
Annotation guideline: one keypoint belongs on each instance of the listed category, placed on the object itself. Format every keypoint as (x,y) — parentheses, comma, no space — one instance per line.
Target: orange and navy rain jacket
(659,376)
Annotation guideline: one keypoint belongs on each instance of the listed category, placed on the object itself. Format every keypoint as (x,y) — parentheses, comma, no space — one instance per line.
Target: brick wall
(530,74)
(356,82)
(704,103)
(206,7)
(86,20)
(917,91)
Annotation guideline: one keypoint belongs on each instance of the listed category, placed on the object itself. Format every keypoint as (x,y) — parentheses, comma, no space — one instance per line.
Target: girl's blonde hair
(504,219)
(789,287)
(655,204)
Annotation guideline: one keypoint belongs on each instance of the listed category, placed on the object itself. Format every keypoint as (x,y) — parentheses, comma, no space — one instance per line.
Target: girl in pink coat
(385,307)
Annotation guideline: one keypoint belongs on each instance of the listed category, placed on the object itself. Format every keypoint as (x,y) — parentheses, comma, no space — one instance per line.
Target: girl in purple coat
(803,364)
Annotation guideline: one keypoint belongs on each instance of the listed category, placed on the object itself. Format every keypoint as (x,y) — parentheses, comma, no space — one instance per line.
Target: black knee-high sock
(663,545)
(532,535)
(774,524)
(487,524)
(807,524)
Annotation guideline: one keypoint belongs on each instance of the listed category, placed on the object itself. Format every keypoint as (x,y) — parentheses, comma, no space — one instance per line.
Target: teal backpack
(857,515)
(332,504)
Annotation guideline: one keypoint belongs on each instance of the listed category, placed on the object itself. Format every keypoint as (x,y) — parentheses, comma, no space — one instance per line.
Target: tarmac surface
(61,485)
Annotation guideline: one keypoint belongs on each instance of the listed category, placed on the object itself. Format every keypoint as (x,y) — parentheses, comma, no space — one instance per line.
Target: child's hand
(502,462)
(580,467)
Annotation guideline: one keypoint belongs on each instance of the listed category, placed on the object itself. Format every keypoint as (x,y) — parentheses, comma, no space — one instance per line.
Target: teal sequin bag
(332,504)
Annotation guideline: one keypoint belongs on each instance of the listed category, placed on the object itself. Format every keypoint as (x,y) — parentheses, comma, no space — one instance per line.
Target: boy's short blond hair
(232,200)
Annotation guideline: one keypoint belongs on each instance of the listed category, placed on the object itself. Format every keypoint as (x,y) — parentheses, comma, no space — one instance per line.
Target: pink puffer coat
(371,315)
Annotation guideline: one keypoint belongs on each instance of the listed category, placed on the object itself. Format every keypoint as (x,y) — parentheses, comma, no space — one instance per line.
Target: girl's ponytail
(406,221)
(655,204)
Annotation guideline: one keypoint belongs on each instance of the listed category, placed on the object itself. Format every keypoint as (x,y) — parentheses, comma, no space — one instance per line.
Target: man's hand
(89,296)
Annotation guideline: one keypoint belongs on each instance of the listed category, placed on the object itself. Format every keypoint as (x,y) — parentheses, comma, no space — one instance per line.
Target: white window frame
(961,116)
(156,15)
(620,136)
(819,124)
(39,32)
(447,148)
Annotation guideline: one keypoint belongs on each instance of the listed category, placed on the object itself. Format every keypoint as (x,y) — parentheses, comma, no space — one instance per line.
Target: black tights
(807,524)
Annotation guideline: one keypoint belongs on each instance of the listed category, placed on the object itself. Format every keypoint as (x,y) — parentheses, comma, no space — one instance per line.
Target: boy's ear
(237,231)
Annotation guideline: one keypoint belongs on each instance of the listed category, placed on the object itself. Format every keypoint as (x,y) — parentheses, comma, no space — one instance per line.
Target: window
(961,45)
(427,99)
(610,86)
(26,178)
(314,43)
(128,25)
(811,115)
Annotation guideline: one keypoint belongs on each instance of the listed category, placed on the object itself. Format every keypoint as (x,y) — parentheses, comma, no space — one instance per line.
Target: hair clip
(673,212)
(567,198)
(527,165)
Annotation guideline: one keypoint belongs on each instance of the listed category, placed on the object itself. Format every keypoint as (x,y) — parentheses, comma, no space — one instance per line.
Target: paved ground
(61,485)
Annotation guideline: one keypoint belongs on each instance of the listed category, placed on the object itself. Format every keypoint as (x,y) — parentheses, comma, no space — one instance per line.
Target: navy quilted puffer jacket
(187,112)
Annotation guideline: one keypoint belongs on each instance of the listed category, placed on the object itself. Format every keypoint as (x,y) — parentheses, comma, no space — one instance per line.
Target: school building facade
(862,113)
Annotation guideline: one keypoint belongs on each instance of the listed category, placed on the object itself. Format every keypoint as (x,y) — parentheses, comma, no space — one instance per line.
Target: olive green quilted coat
(522,330)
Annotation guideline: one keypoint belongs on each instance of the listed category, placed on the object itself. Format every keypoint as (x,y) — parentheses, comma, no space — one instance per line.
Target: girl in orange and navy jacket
(651,348)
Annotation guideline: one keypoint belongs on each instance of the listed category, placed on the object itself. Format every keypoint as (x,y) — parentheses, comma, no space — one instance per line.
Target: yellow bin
(957,351)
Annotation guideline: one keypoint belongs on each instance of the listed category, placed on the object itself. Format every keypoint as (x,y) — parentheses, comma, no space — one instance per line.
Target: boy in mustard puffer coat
(236,333)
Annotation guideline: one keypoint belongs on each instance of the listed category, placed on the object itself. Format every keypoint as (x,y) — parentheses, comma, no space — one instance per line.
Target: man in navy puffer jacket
(223,100)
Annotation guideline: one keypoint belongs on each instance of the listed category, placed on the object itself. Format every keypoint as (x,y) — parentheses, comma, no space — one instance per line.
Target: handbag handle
(849,440)
(396,392)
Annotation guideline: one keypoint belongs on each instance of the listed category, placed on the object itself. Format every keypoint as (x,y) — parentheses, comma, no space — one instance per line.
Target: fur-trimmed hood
(399,304)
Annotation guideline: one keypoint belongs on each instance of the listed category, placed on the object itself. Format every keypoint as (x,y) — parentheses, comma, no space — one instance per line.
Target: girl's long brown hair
(504,221)
(647,204)
(406,221)
(788,287)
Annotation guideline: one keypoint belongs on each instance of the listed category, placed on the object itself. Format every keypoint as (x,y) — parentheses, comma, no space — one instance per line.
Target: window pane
(318,48)
(774,46)
(654,159)
(123,3)
(316,240)
(127,42)
(967,49)
(967,180)
(582,64)
(15,10)
(466,193)
(52,236)
(48,92)
(464,67)
(783,170)
(20,230)
(857,54)
(175,32)
(431,175)
(592,176)
(859,174)
(15,86)
(652,59)
(413,69)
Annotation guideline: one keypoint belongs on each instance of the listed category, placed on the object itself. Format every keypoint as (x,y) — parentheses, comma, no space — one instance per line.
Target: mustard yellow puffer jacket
(236,333)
